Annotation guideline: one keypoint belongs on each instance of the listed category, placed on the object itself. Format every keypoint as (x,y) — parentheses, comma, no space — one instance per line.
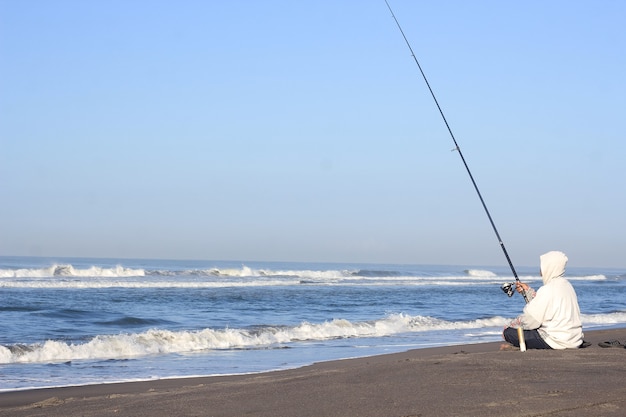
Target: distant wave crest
(70,276)
(588,278)
(480,273)
(376,273)
(71,271)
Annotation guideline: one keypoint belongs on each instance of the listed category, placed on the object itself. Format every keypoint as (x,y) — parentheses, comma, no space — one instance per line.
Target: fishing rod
(507,288)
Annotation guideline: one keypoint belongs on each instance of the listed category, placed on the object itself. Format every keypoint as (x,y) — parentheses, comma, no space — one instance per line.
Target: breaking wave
(71,271)
(159,342)
(480,273)
(69,276)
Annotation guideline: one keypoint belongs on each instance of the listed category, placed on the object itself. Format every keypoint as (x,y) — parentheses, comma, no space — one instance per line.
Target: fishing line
(506,289)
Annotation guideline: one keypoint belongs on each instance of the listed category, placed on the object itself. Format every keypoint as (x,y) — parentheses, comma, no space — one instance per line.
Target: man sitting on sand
(551,319)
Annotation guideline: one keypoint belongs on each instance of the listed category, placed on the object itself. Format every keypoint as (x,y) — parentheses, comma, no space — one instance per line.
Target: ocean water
(84,321)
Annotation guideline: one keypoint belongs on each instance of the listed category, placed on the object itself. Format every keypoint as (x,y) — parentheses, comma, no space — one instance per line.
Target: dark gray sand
(467,380)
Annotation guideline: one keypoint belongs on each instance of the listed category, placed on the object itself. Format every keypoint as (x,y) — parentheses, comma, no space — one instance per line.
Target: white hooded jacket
(554,310)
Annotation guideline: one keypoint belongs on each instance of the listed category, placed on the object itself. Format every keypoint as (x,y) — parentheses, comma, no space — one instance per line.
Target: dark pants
(532,338)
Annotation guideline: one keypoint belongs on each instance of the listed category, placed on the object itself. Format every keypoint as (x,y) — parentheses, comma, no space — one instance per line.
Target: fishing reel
(508,288)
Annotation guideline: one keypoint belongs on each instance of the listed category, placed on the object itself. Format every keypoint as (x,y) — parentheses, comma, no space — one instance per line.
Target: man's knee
(510,335)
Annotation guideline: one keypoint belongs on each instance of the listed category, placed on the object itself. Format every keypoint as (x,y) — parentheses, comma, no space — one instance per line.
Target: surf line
(506,287)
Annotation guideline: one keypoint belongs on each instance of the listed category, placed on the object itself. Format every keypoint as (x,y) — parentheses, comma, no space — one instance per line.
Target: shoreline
(432,349)
(475,379)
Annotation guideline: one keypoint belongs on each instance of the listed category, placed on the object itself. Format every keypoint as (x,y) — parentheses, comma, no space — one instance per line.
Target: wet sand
(465,380)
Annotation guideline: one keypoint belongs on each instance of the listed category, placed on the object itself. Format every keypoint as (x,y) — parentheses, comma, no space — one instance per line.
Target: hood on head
(552,265)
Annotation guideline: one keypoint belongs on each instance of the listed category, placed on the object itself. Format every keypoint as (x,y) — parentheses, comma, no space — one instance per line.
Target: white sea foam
(69,276)
(480,273)
(117,283)
(245,271)
(587,278)
(156,342)
(71,271)
(106,283)
(617,317)
(159,342)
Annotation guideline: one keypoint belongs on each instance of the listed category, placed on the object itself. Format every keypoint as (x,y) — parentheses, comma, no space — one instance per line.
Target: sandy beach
(465,380)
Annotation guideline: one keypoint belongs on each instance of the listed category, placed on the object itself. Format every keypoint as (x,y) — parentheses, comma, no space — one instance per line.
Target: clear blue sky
(302,131)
